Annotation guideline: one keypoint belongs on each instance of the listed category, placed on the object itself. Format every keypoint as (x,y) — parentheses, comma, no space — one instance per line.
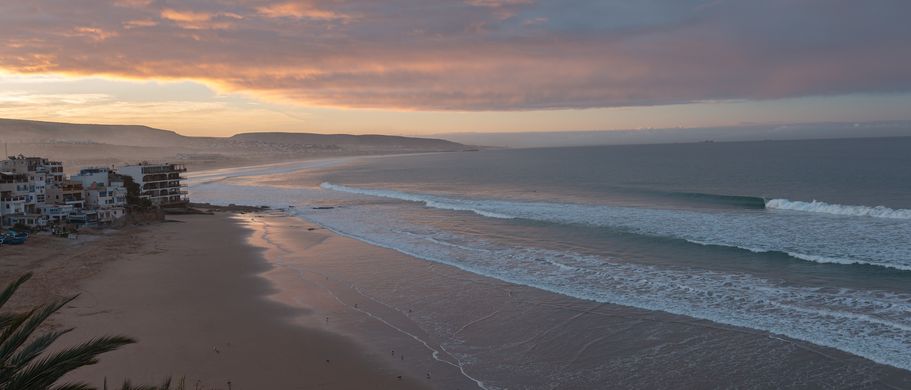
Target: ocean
(809,240)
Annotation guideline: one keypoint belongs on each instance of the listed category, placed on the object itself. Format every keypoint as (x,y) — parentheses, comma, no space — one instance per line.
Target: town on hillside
(36,194)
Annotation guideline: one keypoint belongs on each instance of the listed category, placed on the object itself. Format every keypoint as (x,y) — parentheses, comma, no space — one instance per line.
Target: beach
(271,301)
(188,291)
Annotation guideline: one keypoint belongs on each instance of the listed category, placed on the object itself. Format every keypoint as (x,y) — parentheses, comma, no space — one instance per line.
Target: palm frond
(12,287)
(43,373)
(73,386)
(28,353)
(20,334)
(22,364)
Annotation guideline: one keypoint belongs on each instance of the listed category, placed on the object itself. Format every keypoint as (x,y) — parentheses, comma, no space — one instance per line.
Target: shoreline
(455,313)
(376,313)
(193,297)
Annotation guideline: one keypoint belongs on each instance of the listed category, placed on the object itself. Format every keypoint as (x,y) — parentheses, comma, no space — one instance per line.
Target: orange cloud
(185,16)
(445,55)
(300,10)
(192,20)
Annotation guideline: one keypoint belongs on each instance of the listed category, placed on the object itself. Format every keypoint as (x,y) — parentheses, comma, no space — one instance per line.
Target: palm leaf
(21,333)
(73,386)
(43,373)
(12,287)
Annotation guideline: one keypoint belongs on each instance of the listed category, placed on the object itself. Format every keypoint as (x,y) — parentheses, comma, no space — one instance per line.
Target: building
(162,184)
(40,173)
(57,213)
(13,196)
(103,188)
(70,193)
(34,191)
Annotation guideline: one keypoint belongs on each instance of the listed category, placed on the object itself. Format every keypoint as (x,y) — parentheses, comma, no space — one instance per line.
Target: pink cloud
(300,10)
(443,55)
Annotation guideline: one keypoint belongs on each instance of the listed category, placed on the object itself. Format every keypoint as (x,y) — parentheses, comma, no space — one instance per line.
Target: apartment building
(162,184)
(34,191)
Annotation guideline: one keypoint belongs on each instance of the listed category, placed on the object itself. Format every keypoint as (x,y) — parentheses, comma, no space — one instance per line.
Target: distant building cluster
(35,192)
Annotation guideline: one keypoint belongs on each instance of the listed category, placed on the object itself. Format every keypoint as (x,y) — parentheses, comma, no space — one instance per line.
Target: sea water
(805,239)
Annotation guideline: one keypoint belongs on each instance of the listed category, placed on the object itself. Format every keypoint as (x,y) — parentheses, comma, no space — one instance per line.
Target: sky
(417,67)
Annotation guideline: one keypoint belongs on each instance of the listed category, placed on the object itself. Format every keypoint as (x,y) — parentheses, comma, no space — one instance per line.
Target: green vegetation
(24,361)
(133,194)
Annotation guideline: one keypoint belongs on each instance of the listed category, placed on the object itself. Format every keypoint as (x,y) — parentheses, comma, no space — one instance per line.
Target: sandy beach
(189,292)
(476,331)
(269,301)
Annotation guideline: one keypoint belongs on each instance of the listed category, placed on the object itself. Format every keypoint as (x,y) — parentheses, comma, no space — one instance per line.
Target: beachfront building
(22,190)
(69,192)
(103,192)
(57,214)
(162,184)
(39,173)
(13,192)
(34,191)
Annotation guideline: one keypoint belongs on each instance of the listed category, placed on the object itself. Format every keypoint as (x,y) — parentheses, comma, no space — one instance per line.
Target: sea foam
(804,236)
(837,209)
(872,324)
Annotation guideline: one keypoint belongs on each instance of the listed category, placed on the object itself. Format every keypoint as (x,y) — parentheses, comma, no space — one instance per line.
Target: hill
(92,144)
(24,131)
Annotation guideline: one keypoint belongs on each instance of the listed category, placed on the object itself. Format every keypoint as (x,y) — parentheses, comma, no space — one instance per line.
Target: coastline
(264,299)
(505,335)
(192,296)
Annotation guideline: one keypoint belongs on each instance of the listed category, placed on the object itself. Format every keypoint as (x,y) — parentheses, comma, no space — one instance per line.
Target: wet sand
(193,298)
(466,328)
(263,300)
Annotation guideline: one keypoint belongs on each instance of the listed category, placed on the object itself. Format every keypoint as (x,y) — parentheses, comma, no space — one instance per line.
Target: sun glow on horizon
(359,66)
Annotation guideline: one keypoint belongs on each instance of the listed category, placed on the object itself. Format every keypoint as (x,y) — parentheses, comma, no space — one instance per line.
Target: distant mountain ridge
(94,144)
(26,131)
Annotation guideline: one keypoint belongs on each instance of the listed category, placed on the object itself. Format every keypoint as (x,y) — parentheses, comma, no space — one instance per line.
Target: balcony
(172,168)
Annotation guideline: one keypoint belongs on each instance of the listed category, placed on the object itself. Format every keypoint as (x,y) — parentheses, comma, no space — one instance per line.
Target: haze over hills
(90,144)
(93,144)
(24,131)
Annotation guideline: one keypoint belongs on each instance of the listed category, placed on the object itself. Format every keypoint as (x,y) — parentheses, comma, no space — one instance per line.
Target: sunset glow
(221,67)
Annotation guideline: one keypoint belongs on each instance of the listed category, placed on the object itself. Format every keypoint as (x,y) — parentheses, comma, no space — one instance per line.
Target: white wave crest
(837,209)
(809,238)
(427,200)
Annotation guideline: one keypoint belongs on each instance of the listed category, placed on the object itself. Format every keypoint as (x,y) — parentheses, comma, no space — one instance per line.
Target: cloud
(300,10)
(476,54)
(132,3)
(93,33)
(139,23)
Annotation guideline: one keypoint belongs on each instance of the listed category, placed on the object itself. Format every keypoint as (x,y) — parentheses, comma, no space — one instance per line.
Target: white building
(34,191)
(13,195)
(57,213)
(162,184)
(103,187)
(40,173)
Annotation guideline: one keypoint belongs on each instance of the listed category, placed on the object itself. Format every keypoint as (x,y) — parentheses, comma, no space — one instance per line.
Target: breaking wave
(872,324)
(837,209)
(427,200)
(806,237)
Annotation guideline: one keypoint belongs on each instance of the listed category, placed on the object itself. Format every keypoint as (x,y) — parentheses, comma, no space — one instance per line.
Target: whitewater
(724,242)
(822,237)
